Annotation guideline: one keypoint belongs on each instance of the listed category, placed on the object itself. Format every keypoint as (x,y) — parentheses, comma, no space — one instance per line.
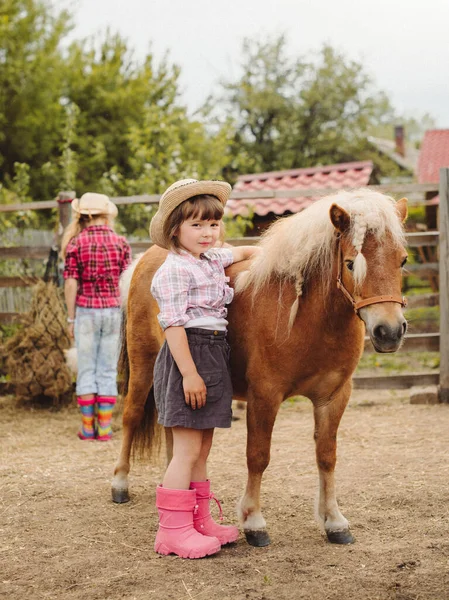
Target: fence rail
(390,188)
(436,342)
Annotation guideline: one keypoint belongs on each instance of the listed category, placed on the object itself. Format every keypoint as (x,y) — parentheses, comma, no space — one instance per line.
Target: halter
(367,301)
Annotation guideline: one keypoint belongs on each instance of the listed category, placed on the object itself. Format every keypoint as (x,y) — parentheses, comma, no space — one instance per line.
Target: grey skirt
(210,353)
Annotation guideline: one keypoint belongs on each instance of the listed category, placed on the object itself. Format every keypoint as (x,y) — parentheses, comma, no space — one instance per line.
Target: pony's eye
(350,265)
(403,262)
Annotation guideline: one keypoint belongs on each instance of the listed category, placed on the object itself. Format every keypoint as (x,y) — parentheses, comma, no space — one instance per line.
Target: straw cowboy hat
(177,193)
(94,204)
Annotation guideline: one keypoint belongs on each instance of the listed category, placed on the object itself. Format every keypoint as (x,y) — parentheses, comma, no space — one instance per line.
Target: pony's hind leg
(260,416)
(139,388)
(327,419)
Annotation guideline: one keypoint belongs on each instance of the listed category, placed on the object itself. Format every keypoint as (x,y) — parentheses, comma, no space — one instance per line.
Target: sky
(402,44)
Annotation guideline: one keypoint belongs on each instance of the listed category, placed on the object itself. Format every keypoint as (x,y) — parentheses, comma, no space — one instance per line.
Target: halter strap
(357,305)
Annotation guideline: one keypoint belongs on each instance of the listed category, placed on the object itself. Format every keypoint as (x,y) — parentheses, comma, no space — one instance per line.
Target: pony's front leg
(327,419)
(133,413)
(260,418)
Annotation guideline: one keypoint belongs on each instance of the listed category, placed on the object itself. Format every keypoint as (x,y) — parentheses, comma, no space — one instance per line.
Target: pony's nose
(386,334)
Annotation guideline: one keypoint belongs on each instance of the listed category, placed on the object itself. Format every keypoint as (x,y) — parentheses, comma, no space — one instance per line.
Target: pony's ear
(340,218)
(401,208)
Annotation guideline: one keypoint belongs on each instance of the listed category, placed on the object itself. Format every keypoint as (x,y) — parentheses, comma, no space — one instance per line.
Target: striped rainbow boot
(87,431)
(105,406)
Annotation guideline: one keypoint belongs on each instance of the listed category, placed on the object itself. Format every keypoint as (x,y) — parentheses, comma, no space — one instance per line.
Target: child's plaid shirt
(96,258)
(187,288)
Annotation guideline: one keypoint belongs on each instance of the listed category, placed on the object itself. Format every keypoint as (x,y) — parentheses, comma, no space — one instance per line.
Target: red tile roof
(434,154)
(355,174)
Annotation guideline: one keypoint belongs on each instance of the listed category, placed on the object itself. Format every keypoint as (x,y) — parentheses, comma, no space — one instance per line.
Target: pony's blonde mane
(304,243)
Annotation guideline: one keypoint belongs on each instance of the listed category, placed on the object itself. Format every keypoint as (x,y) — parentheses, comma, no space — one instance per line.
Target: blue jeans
(97,335)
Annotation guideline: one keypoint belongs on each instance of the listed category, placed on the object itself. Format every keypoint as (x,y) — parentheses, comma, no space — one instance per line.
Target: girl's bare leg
(199,471)
(187,444)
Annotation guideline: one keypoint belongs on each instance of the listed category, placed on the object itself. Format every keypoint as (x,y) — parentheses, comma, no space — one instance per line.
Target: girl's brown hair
(204,207)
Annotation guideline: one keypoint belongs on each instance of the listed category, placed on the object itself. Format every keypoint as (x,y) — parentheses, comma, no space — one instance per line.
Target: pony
(297,325)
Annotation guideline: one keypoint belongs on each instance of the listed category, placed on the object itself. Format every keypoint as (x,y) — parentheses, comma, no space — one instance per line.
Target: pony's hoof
(340,537)
(257,538)
(120,496)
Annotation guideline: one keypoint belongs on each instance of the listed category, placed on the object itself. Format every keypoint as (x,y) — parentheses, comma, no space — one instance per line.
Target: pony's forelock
(359,270)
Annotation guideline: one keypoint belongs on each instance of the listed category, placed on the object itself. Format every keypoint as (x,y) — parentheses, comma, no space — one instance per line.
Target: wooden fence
(413,342)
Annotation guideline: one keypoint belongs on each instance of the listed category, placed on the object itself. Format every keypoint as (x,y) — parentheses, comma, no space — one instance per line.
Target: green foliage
(425,319)
(18,192)
(9,330)
(63,170)
(291,113)
(90,117)
(416,215)
(237,226)
(136,219)
(295,399)
(31,77)
(401,362)
(259,105)
(133,137)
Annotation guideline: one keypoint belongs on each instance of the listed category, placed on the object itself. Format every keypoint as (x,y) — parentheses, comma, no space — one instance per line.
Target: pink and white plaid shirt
(187,288)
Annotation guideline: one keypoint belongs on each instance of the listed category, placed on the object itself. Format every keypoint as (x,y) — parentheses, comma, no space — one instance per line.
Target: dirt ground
(62,537)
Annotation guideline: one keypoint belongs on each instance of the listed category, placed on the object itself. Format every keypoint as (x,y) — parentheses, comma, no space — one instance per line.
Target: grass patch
(294,399)
(425,319)
(9,330)
(402,362)
(424,288)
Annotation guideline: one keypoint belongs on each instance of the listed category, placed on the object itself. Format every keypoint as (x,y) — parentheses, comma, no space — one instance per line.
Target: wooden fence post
(64,200)
(444,284)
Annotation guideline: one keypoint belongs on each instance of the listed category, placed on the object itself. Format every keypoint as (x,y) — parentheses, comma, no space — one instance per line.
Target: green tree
(31,79)
(293,112)
(168,147)
(336,108)
(92,117)
(112,92)
(17,192)
(133,136)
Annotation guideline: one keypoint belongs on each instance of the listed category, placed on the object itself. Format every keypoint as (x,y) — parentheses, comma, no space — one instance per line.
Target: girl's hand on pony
(71,330)
(245,252)
(194,390)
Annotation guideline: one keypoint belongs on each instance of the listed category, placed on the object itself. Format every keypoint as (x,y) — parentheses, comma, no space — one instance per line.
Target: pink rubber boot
(176,534)
(203,521)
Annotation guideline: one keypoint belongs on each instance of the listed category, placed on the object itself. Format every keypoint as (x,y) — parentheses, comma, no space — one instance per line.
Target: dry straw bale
(34,357)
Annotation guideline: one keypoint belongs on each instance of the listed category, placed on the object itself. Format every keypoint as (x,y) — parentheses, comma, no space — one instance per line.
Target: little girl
(192,383)
(95,257)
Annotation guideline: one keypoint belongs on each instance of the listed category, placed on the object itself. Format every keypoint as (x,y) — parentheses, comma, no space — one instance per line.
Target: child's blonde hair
(77,225)
(203,207)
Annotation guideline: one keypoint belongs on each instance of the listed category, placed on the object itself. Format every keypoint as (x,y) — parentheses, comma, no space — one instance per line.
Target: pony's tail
(147,436)
(123,359)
